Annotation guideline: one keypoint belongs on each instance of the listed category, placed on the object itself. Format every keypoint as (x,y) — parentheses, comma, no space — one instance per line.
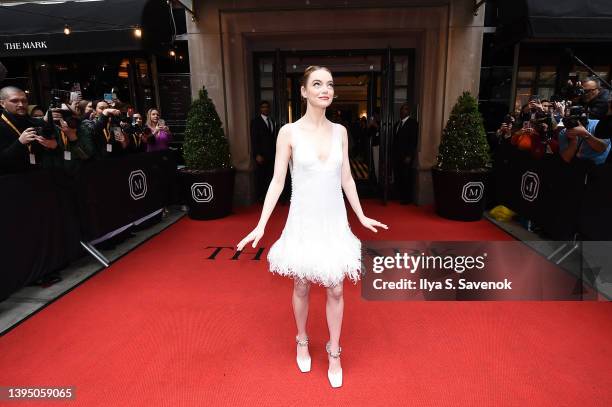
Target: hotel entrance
(370,86)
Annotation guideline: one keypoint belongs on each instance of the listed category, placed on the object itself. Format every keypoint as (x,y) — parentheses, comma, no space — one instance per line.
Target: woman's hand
(254,236)
(370,223)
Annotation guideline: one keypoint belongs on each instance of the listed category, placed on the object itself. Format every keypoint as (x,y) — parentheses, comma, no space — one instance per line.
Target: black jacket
(263,141)
(598,107)
(14,156)
(405,140)
(100,124)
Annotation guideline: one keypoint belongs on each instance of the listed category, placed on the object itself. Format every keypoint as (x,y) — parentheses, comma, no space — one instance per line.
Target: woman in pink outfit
(160,133)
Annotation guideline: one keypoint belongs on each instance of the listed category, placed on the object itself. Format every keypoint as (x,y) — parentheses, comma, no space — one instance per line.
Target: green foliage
(205,146)
(464,144)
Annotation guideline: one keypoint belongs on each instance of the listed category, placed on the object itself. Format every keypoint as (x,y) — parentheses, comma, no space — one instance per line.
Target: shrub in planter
(208,176)
(460,176)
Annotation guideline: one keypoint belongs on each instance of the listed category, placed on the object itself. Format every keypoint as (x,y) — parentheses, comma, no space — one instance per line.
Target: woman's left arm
(350,189)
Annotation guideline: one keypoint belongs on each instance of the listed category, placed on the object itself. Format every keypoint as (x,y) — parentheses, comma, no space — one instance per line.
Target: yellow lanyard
(137,140)
(107,134)
(64,140)
(12,126)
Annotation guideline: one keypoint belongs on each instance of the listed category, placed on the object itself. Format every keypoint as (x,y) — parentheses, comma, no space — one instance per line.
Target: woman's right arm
(281,161)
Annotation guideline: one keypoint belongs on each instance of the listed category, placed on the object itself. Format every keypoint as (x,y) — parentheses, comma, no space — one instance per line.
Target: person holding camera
(75,140)
(109,138)
(138,134)
(24,145)
(160,133)
(603,130)
(595,98)
(577,139)
(504,133)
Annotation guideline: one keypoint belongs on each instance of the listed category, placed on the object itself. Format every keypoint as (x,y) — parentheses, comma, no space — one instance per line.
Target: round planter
(208,193)
(460,195)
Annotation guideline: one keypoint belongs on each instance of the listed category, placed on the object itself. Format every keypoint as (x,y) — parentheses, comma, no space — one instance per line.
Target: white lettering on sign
(10,46)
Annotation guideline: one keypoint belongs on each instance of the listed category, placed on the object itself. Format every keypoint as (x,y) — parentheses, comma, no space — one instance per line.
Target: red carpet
(166,326)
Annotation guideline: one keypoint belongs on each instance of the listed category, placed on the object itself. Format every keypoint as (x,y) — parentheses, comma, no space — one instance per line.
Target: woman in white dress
(316,245)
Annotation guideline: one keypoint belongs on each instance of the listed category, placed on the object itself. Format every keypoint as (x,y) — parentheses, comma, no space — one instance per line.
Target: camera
(42,128)
(576,117)
(130,128)
(572,91)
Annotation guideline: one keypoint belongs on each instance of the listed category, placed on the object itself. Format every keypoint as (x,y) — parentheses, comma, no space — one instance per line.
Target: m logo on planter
(472,192)
(530,186)
(138,184)
(202,192)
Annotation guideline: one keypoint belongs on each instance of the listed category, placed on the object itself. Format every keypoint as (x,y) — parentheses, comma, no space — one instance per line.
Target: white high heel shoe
(303,364)
(335,379)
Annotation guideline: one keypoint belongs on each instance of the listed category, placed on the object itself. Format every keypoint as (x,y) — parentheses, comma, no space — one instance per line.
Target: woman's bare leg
(300,300)
(334,310)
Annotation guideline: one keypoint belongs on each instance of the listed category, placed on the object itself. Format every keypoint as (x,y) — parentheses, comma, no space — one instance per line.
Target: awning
(37,28)
(573,20)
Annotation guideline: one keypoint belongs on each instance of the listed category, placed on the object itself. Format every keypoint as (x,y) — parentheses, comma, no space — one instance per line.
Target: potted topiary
(460,176)
(208,176)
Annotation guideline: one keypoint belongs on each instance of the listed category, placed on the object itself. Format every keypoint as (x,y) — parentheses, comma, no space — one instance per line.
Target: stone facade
(446,35)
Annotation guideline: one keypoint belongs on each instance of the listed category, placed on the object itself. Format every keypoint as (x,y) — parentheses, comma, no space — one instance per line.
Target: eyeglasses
(589,90)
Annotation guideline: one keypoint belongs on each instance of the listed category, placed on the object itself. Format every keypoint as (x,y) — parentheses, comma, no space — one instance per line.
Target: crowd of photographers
(65,135)
(576,124)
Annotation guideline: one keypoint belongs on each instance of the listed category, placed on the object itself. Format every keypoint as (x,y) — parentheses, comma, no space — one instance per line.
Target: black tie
(268,124)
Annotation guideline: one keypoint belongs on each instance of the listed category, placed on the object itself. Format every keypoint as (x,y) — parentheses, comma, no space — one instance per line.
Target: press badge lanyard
(12,126)
(107,136)
(67,154)
(137,140)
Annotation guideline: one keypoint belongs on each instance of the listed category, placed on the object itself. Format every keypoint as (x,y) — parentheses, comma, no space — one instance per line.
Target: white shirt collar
(263,116)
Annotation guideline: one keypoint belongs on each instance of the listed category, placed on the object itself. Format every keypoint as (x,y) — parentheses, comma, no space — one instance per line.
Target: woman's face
(137,119)
(319,90)
(89,108)
(154,116)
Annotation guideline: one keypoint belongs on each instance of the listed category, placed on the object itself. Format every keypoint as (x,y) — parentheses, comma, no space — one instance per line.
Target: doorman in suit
(405,137)
(263,142)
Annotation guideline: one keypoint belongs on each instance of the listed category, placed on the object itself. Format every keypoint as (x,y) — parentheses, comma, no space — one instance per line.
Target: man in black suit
(263,142)
(405,137)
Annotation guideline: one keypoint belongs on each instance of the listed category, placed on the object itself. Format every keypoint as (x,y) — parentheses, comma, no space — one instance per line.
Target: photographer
(603,130)
(25,143)
(504,133)
(75,142)
(138,134)
(595,98)
(576,140)
(109,138)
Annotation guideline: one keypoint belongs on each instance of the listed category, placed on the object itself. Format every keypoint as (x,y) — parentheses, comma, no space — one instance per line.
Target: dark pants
(403,180)
(263,176)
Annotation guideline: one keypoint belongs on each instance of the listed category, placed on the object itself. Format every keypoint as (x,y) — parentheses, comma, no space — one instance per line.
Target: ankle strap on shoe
(303,342)
(333,355)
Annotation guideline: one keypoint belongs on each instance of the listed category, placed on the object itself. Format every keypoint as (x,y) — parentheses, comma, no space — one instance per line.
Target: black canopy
(579,20)
(96,26)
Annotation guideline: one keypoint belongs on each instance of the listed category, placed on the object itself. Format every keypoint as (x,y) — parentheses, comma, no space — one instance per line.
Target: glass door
(386,124)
